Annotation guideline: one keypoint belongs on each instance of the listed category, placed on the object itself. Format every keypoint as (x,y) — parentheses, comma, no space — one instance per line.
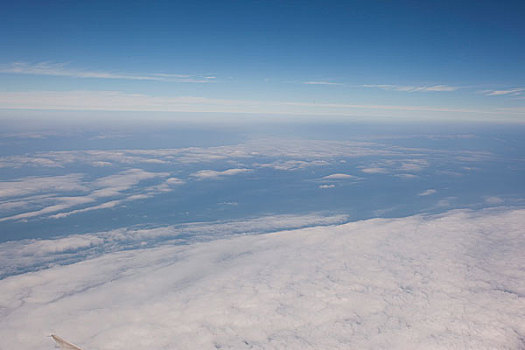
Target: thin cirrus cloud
(321,83)
(62,70)
(513,92)
(404,88)
(121,101)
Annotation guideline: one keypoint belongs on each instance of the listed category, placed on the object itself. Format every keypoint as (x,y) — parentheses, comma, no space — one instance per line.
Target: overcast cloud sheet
(450,281)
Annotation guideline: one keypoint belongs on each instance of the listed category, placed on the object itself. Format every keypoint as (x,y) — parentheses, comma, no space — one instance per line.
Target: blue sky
(403,59)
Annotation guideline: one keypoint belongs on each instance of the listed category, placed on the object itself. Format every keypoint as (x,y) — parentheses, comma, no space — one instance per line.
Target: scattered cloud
(406,176)
(326,186)
(292,164)
(406,88)
(63,70)
(446,202)
(321,83)
(382,283)
(174,181)
(427,192)
(413,165)
(100,164)
(212,174)
(85,192)
(230,203)
(374,170)
(339,177)
(399,167)
(46,184)
(493,200)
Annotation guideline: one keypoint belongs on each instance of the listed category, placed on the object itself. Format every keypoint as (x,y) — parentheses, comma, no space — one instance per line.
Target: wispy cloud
(514,92)
(427,192)
(58,188)
(405,88)
(374,170)
(120,101)
(63,70)
(292,164)
(321,83)
(323,187)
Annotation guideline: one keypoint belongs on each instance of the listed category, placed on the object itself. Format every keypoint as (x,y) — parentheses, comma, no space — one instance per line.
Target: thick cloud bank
(21,256)
(450,281)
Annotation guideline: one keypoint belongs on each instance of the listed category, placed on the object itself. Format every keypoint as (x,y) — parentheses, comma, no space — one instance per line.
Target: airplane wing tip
(63,344)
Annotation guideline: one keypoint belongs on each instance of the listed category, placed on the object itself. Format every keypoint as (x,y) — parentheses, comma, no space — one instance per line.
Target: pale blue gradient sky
(400,60)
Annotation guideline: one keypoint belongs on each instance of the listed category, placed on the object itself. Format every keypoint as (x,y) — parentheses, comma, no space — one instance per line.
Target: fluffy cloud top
(449,281)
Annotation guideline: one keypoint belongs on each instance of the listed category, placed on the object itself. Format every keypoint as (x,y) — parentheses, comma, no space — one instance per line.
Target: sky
(262,174)
(445,60)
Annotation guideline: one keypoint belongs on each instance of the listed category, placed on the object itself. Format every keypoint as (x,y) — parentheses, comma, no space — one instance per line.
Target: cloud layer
(448,281)
(33,254)
(113,178)
(106,100)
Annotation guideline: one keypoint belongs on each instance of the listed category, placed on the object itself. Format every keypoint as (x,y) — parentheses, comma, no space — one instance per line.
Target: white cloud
(292,164)
(101,164)
(46,184)
(123,182)
(62,69)
(494,200)
(427,192)
(213,174)
(326,186)
(516,91)
(416,282)
(85,192)
(104,205)
(61,203)
(321,83)
(22,255)
(174,181)
(406,176)
(429,88)
(339,177)
(412,165)
(374,170)
(120,101)
(114,184)
(404,166)
(445,203)
(302,153)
